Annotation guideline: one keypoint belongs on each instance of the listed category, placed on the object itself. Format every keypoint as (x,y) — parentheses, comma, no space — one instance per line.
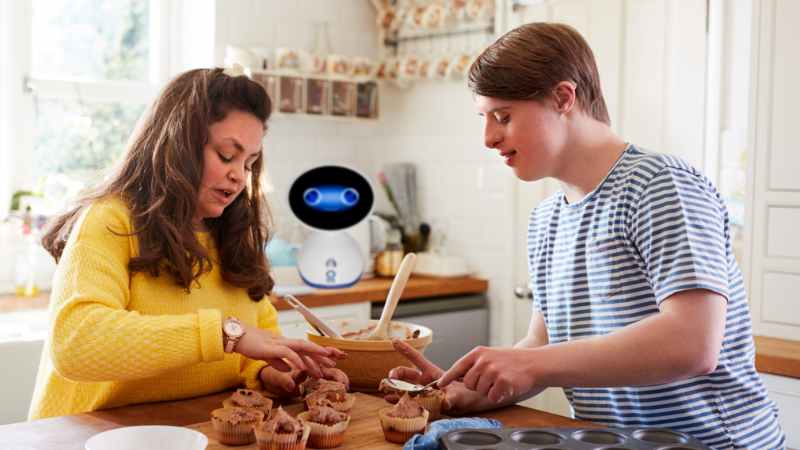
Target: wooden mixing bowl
(368,362)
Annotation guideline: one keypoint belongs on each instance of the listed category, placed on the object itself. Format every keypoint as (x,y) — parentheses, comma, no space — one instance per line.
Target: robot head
(331,198)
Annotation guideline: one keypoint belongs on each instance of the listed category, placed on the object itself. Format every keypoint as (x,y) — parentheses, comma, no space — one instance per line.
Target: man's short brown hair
(529,61)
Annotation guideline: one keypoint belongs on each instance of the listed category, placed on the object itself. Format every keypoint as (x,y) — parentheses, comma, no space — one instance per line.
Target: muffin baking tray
(570,438)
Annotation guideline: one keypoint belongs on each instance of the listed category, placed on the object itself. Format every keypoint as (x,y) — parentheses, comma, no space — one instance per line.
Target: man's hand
(497,373)
(458,399)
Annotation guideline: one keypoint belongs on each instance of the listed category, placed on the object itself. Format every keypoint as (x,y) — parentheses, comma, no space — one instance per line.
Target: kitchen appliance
(329,200)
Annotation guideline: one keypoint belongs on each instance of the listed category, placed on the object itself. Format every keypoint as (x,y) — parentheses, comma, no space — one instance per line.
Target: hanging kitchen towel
(430,440)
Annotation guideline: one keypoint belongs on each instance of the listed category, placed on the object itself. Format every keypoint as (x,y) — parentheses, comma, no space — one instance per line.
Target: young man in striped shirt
(640,311)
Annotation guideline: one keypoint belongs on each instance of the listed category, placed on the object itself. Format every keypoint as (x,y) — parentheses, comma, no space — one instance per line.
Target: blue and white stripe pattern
(654,227)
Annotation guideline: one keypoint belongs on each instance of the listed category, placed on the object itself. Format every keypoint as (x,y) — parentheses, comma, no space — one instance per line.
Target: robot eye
(330,198)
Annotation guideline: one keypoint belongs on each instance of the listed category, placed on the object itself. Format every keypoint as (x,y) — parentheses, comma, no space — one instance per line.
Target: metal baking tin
(570,438)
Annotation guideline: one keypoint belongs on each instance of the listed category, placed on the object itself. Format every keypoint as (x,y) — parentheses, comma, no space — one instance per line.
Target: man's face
(528,134)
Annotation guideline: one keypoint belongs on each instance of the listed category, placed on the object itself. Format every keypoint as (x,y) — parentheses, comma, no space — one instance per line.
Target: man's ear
(564,96)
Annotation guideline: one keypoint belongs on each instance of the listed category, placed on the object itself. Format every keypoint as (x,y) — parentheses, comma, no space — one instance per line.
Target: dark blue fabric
(430,440)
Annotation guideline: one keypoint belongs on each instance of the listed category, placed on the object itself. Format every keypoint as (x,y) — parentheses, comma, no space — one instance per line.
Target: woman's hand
(286,354)
(286,384)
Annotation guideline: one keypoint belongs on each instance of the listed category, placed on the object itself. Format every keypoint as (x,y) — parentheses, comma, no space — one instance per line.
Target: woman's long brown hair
(159,179)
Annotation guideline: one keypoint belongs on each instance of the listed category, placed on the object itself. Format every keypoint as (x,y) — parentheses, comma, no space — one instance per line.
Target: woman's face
(528,134)
(234,144)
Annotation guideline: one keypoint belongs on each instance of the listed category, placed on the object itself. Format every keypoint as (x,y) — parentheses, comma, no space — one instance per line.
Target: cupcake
(333,396)
(247,398)
(234,426)
(430,398)
(327,426)
(282,432)
(403,420)
(311,385)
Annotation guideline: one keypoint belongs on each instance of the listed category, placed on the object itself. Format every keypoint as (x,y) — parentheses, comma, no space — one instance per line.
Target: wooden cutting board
(364,431)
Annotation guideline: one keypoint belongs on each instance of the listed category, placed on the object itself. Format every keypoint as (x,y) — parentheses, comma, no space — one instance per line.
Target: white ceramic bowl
(150,437)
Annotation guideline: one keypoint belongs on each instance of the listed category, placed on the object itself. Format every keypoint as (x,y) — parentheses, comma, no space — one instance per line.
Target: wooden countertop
(372,289)
(778,356)
(376,289)
(71,432)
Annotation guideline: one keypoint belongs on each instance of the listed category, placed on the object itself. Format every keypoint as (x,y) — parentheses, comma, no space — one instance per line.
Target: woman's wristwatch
(232,332)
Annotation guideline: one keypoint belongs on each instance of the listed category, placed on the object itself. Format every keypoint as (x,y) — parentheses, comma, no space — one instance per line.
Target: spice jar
(387,262)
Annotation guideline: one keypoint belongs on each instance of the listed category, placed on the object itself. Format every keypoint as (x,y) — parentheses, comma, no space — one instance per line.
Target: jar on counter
(387,262)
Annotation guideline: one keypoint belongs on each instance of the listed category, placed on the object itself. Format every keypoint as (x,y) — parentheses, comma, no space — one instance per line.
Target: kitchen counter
(774,356)
(373,289)
(71,432)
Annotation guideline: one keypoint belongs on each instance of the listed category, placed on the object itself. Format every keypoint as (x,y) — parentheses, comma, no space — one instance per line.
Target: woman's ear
(564,95)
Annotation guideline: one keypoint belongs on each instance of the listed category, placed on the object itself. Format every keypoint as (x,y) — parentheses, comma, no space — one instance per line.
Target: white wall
(464,188)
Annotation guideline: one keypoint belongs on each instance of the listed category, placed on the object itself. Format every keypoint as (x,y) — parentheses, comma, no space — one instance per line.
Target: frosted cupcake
(333,396)
(282,432)
(247,398)
(430,398)
(327,426)
(403,420)
(311,385)
(234,426)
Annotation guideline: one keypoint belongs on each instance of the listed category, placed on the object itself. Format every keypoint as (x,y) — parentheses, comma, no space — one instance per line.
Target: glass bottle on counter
(25,280)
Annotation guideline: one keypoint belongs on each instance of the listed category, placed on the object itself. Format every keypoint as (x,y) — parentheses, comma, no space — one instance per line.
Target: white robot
(330,199)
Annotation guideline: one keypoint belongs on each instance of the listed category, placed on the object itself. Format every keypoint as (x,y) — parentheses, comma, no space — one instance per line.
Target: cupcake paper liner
(400,429)
(325,436)
(433,403)
(234,434)
(282,441)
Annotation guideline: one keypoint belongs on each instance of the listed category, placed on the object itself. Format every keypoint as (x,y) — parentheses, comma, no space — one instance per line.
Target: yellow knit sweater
(119,338)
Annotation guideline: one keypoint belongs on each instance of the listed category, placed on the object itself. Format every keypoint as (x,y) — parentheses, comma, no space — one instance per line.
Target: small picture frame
(343,98)
(367,100)
(317,96)
(291,94)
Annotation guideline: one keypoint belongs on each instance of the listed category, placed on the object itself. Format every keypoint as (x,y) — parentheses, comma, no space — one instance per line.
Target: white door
(651,57)
(775,253)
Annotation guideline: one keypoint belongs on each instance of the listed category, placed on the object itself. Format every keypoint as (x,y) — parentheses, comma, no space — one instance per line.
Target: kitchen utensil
(148,436)
(321,327)
(405,386)
(368,362)
(382,330)
(572,438)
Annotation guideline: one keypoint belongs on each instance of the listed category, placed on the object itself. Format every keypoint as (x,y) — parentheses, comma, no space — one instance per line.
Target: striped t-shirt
(654,227)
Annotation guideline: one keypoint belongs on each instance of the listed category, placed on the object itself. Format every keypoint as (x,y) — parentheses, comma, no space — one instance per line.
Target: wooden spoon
(381,331)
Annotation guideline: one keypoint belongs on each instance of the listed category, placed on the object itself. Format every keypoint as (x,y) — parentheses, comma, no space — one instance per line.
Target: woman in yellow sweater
(162,280)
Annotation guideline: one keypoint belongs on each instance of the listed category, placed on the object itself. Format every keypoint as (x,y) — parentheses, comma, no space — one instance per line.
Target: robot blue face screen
(331,198)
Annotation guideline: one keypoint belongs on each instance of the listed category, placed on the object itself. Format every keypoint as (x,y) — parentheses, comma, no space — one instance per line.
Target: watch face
(232,328)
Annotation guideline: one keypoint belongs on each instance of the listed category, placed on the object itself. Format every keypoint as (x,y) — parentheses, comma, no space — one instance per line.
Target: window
(75,76)
(90,76)
(91,69)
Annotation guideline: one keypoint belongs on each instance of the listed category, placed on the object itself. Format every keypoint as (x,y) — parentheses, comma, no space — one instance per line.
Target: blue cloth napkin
(430,440)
